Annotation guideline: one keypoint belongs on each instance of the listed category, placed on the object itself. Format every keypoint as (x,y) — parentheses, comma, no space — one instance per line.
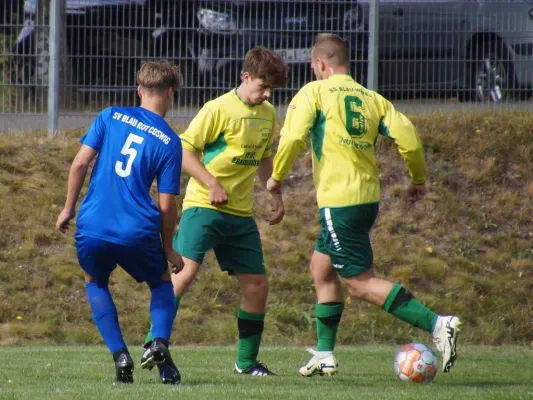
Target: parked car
(479,49)
(108,39)
(475,49)
(222,31)
(105,45)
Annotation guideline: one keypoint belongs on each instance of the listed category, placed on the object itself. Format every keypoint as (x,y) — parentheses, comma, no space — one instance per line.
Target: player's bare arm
(273,186)
(76,177)
(169,215)
(264,172)
(193,166)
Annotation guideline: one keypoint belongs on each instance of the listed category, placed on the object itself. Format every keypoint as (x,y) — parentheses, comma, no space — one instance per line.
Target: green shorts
(344,236)
(234,239)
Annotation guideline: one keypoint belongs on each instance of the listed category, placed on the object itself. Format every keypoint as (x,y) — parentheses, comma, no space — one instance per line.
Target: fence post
(53,68)
(373,45)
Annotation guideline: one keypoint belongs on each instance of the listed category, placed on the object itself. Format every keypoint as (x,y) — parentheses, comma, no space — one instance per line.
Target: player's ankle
(323,353)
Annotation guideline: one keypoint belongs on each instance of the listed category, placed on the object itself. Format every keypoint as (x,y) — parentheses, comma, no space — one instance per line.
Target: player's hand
(63,220)
(217,194)
(416,192)
(278,209)
(175,259)
(273,186)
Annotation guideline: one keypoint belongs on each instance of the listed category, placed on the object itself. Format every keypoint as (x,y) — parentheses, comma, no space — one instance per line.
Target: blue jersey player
(119,223)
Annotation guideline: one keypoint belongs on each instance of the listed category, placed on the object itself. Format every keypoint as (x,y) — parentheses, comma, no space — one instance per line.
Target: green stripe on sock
(249,315)
(404,306)
(149,335)
(327,322)
(392,295)
(251,327)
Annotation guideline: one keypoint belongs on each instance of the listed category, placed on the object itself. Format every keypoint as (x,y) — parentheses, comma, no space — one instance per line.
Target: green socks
(328,316)
(251,327)
(404,306)
(149,336)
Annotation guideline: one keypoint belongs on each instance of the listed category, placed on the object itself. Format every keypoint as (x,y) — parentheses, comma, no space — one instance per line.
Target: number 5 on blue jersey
(128,150)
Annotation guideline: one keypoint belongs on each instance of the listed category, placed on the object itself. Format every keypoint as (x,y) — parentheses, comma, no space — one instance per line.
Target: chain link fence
(430,53)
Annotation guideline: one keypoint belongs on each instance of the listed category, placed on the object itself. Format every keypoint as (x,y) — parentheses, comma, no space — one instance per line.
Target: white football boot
(445,338)
(321,363)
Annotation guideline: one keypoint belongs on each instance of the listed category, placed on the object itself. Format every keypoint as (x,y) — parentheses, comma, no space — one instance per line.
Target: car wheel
(490,75)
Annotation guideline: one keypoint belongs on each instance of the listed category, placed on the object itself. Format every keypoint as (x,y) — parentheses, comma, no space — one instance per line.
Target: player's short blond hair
(158,75)
(267,65)
(332,49)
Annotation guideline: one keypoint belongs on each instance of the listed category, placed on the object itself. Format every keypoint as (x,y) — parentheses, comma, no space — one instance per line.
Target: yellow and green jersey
(344,119)
(232,138)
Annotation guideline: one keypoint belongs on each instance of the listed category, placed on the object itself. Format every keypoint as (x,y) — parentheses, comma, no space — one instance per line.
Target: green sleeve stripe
(317,134)
(214,149)
(384,129)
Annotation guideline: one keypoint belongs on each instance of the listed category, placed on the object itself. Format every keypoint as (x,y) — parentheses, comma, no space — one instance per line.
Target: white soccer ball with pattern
(415,362)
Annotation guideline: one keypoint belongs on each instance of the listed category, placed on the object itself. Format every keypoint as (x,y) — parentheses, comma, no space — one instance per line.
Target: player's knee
(189,275)
(185,277)
(258,287)
(321,274)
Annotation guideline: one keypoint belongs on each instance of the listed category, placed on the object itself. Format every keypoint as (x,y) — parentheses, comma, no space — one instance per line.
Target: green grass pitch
(365,373)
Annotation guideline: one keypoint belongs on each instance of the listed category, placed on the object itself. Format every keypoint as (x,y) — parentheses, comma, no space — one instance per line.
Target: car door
(423,42)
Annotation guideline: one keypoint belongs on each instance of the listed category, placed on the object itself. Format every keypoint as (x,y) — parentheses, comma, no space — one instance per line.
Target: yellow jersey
(343,119)
(232,138)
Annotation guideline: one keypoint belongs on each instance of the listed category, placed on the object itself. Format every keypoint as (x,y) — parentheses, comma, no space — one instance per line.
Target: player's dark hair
(265,64)
(158,75)
(331,48)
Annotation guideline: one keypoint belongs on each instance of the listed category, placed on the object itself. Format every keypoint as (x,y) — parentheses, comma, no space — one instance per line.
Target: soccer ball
(415,362)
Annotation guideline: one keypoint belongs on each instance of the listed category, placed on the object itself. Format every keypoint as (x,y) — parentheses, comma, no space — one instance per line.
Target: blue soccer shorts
(99,258)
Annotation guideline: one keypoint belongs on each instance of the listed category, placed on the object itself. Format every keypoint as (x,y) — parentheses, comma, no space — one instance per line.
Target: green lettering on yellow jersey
(343,120)
(232,138)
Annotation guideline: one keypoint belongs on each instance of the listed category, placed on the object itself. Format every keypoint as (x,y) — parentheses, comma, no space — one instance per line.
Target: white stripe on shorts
(332,234)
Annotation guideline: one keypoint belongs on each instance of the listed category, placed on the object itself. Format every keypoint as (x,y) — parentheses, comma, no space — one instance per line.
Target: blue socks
(105,316)
(162,310)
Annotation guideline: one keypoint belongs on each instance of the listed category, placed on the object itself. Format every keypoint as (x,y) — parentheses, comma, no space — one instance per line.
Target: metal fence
(429,53)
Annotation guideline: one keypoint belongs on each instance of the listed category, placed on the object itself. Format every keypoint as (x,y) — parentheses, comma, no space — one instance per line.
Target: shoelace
(262,365)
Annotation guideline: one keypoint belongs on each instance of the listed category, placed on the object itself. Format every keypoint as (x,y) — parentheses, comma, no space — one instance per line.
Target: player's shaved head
(331,49)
